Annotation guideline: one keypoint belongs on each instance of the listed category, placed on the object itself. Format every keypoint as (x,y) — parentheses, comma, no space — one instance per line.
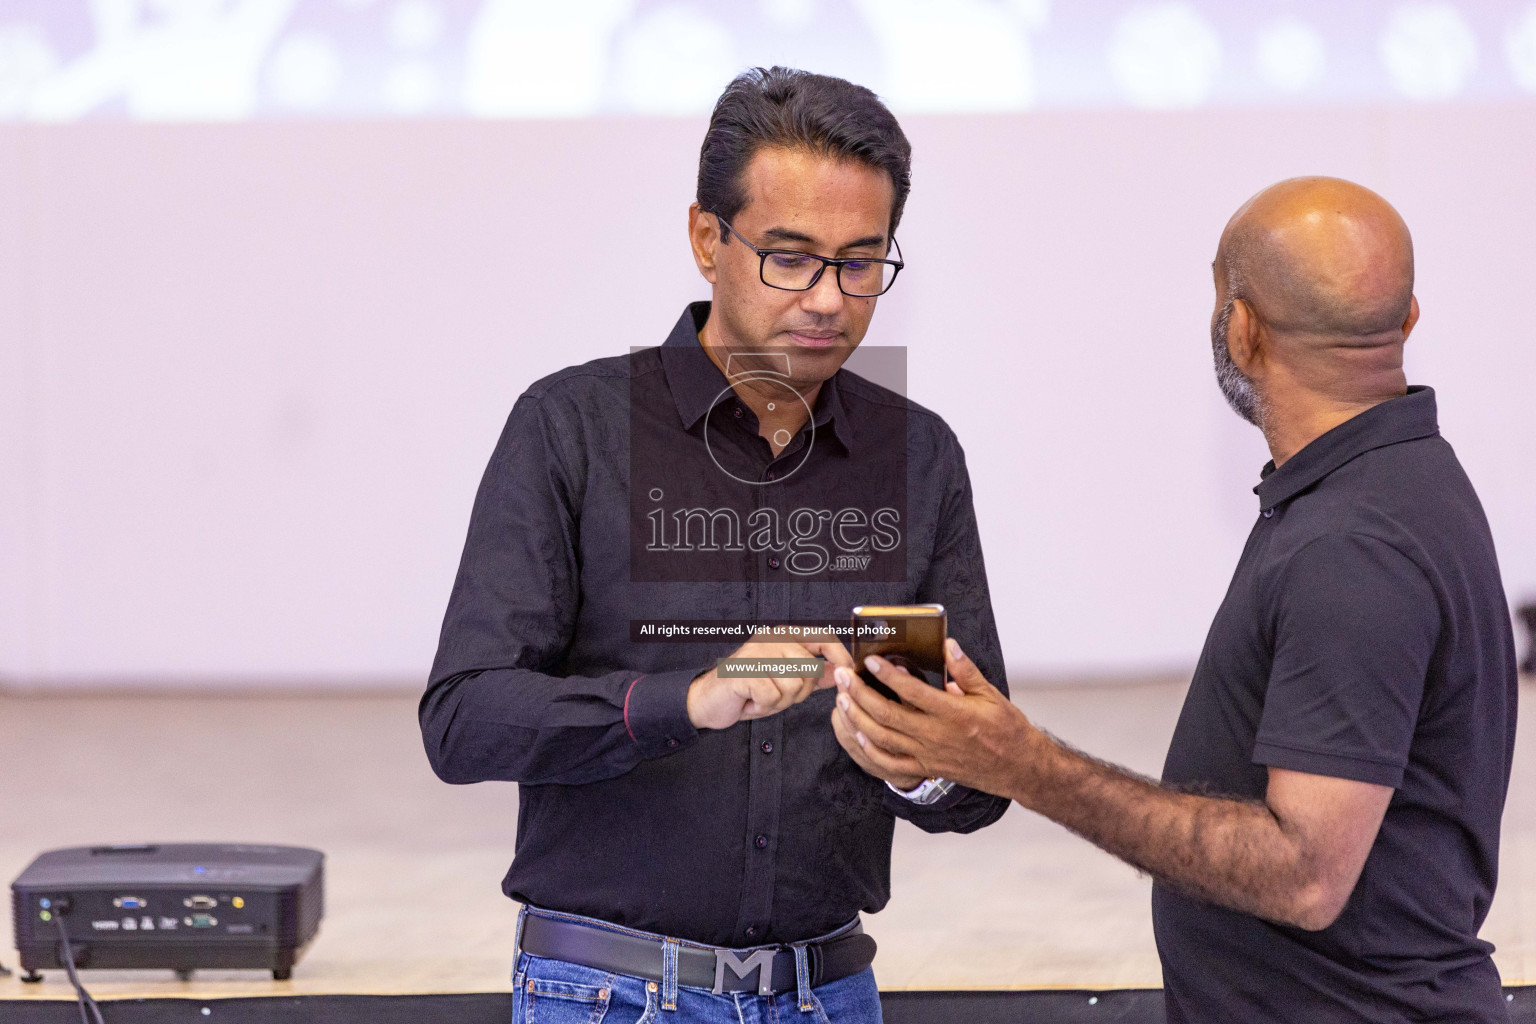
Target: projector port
(200,902)
(202,921)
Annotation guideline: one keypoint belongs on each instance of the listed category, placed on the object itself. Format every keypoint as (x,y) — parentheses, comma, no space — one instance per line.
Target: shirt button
(752,931)
(773,563)
(771,474)
(671,743)
(761,842)
(767,746)
(1269,512)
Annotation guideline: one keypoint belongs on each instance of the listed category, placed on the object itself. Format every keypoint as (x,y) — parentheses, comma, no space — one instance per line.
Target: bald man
(1324,840)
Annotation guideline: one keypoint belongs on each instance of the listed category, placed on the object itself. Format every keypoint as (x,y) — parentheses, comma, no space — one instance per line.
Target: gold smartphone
(910,636)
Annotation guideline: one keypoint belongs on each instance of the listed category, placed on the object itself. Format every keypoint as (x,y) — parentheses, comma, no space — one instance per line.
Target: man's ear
(704,237)
(1245,340)
(1413,316)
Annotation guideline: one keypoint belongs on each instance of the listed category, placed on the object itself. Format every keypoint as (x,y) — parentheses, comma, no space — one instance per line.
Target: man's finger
(878,707)
(797,690)
(848,738)
(908,687)
(834,656)
(800,652)
(890,739)
(763,691)
(964,671)
(875,704)
(792,689)
(826,681)
(833,650)
(886,762)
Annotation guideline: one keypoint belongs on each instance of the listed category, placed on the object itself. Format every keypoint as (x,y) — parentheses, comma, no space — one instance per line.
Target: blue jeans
(557,992)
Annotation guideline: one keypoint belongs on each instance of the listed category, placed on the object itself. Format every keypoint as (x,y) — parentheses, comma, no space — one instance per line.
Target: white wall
(249,375)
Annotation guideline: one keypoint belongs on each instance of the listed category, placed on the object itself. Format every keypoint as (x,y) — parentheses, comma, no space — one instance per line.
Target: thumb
(833,650)
(963,671)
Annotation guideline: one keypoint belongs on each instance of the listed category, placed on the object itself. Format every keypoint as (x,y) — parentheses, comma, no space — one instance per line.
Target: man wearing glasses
(694,846)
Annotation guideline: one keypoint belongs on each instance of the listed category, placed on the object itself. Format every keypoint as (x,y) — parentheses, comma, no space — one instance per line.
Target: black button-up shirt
(636,489)
(1365,636)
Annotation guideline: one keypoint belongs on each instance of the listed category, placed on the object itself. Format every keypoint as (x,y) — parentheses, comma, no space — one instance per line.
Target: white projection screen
(272,273)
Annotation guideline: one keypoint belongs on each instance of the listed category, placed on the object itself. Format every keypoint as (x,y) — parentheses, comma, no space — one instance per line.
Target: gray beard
(1235,386)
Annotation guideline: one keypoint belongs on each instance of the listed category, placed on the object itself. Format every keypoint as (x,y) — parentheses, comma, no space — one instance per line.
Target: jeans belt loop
(517,939)
(803,978)
(669,949)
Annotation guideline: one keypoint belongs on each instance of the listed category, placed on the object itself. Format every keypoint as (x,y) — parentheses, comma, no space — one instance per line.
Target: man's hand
(968,733)
(719,703)
(850,740)
(1294,857)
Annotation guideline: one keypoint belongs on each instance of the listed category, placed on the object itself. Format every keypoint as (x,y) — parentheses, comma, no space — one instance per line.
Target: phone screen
(908,635)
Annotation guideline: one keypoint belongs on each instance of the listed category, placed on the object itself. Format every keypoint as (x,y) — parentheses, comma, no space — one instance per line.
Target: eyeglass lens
(797,273)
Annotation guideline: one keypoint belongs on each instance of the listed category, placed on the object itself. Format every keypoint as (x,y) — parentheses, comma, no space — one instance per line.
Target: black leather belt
(766,970)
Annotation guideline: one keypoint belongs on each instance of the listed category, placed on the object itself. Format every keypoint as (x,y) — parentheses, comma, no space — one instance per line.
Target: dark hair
(796,109)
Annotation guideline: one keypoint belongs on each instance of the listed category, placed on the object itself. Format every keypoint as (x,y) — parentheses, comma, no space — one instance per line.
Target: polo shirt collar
(698,385)
(1407,418)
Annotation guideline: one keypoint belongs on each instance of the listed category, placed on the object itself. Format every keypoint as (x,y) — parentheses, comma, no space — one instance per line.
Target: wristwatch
(929,791)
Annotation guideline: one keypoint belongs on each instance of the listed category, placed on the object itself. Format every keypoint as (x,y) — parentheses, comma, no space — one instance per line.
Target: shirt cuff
(656,712)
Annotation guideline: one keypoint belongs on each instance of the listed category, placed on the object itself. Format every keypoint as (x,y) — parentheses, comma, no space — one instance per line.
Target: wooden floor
(414,865)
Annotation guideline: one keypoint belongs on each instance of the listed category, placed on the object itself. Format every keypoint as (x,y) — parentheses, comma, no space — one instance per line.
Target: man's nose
(824,296)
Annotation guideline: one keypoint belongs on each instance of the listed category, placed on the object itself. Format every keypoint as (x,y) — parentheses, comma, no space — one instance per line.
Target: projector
(181,906)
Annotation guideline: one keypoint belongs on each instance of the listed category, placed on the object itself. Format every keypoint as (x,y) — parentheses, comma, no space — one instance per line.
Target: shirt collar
(698,385)
(1407,418)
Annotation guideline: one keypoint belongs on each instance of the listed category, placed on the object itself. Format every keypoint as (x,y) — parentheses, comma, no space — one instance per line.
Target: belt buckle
(760,961)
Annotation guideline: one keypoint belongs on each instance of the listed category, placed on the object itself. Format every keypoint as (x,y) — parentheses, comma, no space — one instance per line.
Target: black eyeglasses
(793,271)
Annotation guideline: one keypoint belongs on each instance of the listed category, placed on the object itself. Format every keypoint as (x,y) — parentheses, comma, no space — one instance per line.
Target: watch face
(925,792)
(934,790)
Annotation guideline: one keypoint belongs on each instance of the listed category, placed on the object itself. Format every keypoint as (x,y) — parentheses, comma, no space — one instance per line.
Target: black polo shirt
(1364,636)
(634,490)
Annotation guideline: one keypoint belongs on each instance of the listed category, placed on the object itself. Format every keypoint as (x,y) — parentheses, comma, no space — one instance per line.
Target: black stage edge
(1032,1006)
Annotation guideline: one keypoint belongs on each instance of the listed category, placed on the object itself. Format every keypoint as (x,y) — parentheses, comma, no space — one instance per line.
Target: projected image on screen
(221,60)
